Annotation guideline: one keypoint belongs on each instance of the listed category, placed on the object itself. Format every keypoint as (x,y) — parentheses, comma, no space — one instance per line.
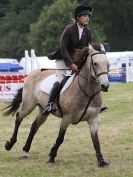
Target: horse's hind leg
(25,109)
(94,135)
(40,119)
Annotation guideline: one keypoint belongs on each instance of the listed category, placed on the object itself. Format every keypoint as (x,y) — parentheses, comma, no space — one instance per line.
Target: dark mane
(81,54)
(96,46)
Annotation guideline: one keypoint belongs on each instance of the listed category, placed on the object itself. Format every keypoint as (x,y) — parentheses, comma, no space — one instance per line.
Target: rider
(74,36)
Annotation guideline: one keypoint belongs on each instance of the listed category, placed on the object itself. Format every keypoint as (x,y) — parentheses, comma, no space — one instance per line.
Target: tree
(14,25)
(45,33)
(116,19)
(4,4)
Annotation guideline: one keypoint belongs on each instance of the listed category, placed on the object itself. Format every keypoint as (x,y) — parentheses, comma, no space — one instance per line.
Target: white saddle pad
(47,84)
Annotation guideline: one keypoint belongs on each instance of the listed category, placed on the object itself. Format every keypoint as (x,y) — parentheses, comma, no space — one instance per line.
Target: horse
(81,101)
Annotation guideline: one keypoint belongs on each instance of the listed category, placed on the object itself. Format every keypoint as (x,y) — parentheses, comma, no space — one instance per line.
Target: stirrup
(49,108)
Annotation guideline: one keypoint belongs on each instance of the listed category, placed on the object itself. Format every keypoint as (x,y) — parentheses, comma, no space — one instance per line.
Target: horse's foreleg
(34,128)
(59,141)
(94,135)
(63,127)
(9,144)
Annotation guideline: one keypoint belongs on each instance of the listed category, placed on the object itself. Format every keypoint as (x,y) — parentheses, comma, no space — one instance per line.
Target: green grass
(76,157)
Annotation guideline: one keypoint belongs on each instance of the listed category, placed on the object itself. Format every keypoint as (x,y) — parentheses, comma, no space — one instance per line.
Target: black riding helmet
(82,10)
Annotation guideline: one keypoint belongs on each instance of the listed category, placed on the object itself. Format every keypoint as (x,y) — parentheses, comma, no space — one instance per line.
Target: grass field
(76,157)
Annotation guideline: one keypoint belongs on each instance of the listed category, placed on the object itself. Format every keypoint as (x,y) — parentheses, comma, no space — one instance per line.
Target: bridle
(96,75)
(99,74)
(94,93)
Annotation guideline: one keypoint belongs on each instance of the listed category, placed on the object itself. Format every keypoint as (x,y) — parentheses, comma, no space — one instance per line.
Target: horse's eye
(95,64)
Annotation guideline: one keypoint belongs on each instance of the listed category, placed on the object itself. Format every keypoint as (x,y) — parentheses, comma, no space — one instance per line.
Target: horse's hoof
(103,163)
(51,160)
(25,155)
(8,146)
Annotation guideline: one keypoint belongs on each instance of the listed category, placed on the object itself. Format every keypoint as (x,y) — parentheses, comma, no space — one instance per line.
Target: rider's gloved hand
(74,68)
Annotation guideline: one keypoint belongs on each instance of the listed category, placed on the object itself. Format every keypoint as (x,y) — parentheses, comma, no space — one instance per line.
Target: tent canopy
(9,67)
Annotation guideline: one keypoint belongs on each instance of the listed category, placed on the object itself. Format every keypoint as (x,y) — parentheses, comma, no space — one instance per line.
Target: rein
(91,97)
(86,94)
(89,101)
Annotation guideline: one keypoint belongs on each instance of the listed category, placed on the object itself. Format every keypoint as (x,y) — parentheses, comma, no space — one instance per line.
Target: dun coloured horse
(81,101)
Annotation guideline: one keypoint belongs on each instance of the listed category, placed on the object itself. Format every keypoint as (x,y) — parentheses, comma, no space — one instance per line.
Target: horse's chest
(84,115)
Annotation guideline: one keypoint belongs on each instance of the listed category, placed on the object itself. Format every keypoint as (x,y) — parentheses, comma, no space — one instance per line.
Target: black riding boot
(52,97)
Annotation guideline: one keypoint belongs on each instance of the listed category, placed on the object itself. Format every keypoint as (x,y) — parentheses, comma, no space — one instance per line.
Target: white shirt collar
(80,30)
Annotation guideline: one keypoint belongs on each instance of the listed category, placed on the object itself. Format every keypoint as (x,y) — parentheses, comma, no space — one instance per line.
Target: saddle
(47,84)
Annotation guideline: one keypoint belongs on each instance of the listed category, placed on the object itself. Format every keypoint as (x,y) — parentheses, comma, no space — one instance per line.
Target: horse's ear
(103,48)
(90,48)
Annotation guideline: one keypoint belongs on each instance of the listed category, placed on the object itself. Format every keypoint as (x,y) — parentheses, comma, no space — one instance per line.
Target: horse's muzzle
(104,88)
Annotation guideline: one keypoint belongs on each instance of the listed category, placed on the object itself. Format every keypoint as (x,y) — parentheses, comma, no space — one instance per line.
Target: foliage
(116,19)
(97,32)
(14,26)
(4,4)
(45,33)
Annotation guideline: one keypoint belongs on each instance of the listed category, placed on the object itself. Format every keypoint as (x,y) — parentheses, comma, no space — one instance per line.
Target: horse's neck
(84,77)
(86,80)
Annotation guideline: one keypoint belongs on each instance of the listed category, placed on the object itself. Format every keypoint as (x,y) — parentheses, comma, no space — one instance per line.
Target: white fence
(30,63)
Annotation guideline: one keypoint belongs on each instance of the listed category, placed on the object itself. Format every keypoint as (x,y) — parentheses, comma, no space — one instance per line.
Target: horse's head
(99,66)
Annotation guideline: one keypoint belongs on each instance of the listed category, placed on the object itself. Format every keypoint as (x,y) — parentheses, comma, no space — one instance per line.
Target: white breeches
(60,64)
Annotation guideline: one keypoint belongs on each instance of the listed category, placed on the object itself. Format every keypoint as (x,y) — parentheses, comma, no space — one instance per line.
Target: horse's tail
(14,105)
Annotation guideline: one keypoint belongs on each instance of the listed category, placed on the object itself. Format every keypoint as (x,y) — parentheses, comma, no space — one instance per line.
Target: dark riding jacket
(69,42)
